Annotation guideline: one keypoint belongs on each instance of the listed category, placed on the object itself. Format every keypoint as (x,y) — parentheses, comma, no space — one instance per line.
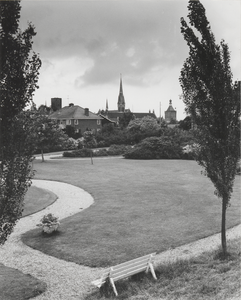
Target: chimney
(86,112)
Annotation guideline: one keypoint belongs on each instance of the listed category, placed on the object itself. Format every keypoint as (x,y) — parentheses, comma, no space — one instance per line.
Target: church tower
(170,113)
(121,99)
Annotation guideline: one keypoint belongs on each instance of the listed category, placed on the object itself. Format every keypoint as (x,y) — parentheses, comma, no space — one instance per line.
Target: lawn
(140,207)
(16,285)
(37,199)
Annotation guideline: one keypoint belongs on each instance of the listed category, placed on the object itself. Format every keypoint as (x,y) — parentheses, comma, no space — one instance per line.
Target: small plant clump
(49,223)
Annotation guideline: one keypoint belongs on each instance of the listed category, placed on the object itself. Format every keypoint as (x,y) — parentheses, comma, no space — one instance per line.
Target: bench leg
(150,265)
(113,286)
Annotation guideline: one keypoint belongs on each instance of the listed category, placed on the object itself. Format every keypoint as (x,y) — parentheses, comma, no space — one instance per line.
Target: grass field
(37,199)
(14,285)
(140,207)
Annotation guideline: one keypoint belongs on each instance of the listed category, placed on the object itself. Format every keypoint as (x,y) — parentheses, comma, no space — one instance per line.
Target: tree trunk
(42,153)
(223,232)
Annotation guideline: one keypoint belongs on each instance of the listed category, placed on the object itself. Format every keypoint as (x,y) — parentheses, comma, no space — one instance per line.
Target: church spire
(121,99)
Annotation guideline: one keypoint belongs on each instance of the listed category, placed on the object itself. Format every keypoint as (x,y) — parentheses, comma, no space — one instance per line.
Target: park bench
(126,269)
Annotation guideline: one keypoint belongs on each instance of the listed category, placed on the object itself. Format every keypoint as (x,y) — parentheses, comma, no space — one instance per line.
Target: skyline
(85,46)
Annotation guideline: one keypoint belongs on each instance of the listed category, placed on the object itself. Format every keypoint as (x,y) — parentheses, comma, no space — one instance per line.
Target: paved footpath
(67,280)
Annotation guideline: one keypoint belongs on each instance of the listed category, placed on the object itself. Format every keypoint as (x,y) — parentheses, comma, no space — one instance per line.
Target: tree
(89,140)
(125,119)
(19,67)
(146,125)
(212,101)
(46,133)
(185,124)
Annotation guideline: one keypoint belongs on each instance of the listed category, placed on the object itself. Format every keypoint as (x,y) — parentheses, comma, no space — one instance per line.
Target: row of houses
(82,119)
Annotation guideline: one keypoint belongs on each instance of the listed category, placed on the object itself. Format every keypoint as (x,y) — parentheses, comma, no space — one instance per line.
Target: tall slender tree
(212,100)
(19,67)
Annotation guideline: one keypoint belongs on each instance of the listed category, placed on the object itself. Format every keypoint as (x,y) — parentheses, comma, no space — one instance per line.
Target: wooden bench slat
(134,260)
(127,274)
(129,267)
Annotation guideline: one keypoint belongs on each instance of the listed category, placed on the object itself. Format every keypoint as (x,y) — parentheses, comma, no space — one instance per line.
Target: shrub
(100,152)
(116,150)
(155,148)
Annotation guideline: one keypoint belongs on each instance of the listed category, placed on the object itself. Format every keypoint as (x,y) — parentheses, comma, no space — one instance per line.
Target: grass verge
(202,278)
(140,207)
(16,285)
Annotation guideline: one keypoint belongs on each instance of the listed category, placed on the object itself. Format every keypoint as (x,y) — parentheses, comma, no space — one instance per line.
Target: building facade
(80,118)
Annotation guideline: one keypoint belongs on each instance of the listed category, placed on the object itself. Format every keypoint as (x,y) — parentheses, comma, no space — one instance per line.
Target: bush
(116,150)
(155,148)
(100,152)
(86,152)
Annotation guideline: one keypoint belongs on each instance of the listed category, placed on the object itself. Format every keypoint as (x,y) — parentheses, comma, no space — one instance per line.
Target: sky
(85,45)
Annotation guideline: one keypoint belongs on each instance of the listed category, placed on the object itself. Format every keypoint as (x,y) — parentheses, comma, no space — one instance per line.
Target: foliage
(110,135)
(42,133)
(137,130)
(49,223)
(49,219)
(125,119)
(89,140)
(213,102)
(70,131)
(117,149)
(155,148)
(185,124)
(144,127)
(18,81)
(86,152)
(48,133)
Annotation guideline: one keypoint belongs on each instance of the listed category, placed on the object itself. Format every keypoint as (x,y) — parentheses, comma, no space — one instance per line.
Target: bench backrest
(126,269)
(131,267)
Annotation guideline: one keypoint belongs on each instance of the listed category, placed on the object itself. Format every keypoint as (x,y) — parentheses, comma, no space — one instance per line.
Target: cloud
(105,31)
(85,45)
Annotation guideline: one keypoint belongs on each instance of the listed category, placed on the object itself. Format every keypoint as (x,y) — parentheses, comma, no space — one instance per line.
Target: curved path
(67,280)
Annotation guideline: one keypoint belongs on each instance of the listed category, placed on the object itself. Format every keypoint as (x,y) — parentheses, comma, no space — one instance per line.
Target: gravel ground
(67,280)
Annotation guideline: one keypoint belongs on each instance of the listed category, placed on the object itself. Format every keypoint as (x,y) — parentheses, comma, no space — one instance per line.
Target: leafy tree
(89,140)
(144,127)
(125,119)
(19,68)
(185,124)
(47,133)
(213,102)
(70,131)
(44,109)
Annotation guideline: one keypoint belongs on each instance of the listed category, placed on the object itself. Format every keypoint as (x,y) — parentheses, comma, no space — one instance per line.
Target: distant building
(114,115)
(80,118)
(170,114)
(56,103)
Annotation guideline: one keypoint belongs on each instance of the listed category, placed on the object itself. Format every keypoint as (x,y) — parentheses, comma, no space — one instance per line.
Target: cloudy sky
(85,45)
